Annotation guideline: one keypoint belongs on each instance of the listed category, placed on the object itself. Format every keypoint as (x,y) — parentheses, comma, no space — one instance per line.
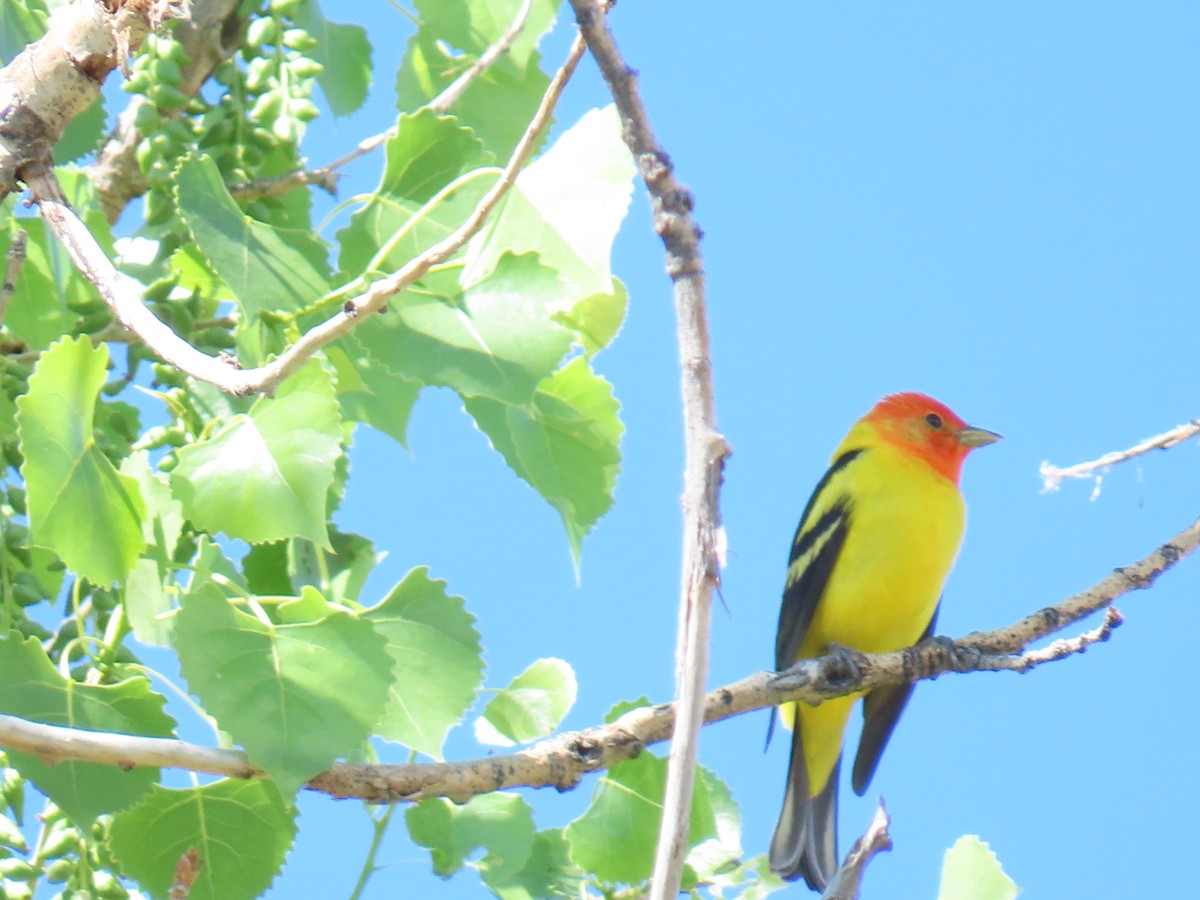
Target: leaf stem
(369,867)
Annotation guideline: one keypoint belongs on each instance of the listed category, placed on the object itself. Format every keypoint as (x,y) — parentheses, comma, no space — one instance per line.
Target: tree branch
(326,176)
(124,296)
(706,450)
(562,761)
(1052,476)
(847,882)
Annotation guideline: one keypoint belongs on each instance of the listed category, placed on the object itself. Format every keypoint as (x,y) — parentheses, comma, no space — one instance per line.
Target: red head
(927,429)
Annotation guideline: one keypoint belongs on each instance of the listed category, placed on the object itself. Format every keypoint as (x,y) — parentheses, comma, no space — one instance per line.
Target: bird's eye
(934,420)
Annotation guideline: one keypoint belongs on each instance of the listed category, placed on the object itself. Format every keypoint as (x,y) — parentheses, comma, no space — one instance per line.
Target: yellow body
(907,522)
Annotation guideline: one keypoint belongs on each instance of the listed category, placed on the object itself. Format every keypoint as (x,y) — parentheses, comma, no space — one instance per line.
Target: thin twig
(16,261)
(847,882)
(1052,475)
(561,761)
(502,45)
(123,295)
(706,449)
(326,176)
(274,185)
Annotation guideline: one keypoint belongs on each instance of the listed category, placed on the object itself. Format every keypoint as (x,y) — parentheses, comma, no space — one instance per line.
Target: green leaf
(266,268)
(548,872)
(438,663)
(531,706)
(32,688)
(66,475)
(345,53)
(265,475)
(369,391)
(82,133)
(499,822)
(714,862)
(615,838)
(295,696)
(567,206)
(39,310)
(565,443)
(496,339)
(284,567)
(346,571)
(972,872)
(474,25)
(266,569)
(21,22)
(241,830)
(597,318)
(144,591)
(211,568)
(498,104)
(427,153)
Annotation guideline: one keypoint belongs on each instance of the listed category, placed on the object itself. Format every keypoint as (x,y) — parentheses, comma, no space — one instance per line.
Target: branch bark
(562,761)
(705,447)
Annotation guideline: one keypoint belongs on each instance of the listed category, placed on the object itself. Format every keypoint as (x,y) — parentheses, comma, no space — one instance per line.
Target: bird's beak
(971,437)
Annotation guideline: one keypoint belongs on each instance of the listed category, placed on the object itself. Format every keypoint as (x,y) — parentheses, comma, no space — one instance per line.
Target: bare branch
(706,449)
(562,761)
(326,176)
(123,295)
(1052,476)
(847,882)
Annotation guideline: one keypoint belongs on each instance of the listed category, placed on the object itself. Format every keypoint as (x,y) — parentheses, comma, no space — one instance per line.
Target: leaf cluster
(141,503)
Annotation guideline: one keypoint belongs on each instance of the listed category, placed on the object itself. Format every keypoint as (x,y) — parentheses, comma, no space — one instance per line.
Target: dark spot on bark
(586,749)
(96,67)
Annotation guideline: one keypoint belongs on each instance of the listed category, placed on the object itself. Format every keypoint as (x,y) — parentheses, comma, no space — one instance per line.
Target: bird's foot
(841,665)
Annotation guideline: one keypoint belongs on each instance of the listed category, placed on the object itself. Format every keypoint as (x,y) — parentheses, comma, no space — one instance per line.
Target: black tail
(805,841)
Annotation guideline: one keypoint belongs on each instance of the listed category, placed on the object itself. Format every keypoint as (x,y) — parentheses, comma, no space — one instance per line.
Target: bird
(866,571)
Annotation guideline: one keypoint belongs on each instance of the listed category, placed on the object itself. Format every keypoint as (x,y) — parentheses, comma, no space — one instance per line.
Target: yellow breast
(906,524)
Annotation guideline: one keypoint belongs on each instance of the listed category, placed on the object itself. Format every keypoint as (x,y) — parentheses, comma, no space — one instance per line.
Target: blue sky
(995,204)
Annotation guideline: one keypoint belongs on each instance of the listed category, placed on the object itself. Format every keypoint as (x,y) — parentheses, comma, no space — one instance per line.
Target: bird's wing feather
(881,711)
(818,541)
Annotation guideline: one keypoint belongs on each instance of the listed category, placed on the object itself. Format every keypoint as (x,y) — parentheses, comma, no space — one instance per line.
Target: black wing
(881,711)
(815,549)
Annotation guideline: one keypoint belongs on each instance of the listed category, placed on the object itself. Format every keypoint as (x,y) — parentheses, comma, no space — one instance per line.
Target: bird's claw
(841,665)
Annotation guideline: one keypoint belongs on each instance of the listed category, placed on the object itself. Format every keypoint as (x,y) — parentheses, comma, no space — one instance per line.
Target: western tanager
(866,570)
